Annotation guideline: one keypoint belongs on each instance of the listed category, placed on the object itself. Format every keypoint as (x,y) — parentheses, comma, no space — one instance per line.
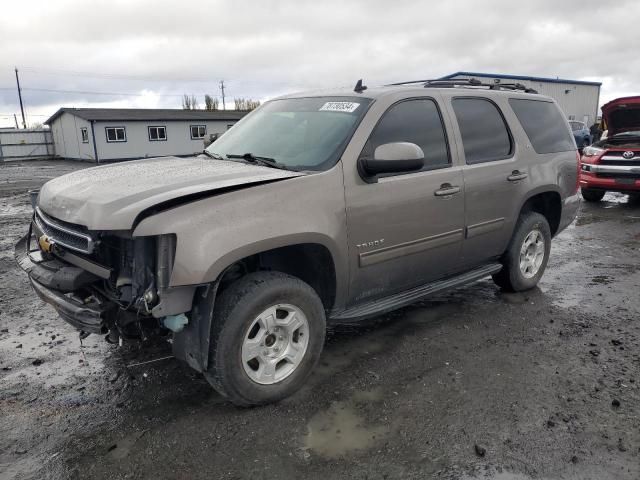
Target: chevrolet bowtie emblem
(45,243)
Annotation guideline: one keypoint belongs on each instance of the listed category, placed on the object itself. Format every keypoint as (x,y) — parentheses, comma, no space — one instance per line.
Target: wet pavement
(473,384)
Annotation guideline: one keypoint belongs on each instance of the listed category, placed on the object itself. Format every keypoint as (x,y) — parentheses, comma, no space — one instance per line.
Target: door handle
(516,176)
(446,189)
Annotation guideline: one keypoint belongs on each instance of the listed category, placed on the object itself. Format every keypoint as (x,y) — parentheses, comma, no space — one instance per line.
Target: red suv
(613,163)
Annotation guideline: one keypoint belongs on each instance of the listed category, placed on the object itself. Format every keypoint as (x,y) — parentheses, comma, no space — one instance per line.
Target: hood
(110,197)
(621,115)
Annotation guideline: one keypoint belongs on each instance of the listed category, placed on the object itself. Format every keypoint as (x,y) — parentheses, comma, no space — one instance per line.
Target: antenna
(359,87)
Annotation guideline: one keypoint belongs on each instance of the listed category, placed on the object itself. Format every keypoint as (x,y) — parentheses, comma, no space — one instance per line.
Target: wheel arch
(312,258)
(546,201)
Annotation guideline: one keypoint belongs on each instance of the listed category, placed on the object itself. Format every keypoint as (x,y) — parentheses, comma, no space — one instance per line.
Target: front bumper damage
(83,288)
(56,284)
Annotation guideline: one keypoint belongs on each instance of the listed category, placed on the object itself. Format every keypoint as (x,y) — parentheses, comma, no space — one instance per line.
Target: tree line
(211,104)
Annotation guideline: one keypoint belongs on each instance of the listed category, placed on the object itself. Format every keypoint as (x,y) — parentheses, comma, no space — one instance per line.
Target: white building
(112,134)
(578,99)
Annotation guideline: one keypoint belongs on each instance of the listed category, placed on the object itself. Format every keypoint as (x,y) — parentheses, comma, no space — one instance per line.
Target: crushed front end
(104,282)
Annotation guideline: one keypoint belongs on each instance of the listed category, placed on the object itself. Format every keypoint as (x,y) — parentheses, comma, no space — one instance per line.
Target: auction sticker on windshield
(347,107)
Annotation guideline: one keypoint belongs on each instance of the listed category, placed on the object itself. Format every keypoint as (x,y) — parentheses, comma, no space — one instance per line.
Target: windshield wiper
(213,155)
(264,161)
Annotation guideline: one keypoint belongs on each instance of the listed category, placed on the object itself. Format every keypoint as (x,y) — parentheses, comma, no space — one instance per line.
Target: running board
(402,299)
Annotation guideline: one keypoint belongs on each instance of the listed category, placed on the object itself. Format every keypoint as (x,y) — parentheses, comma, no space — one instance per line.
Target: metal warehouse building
(578,99)
(112,134)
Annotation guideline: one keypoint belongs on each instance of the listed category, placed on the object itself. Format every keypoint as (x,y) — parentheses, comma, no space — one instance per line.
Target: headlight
(592,151)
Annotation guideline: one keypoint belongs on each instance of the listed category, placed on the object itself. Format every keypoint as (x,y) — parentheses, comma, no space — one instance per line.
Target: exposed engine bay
(102,282)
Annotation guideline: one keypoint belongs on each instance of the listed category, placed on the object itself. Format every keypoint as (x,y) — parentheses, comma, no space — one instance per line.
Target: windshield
(298,133)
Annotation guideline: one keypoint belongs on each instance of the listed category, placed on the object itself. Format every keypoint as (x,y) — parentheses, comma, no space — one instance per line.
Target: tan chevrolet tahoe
(323,207)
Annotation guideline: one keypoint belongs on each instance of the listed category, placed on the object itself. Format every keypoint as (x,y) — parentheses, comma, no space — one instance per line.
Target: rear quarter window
(544,124)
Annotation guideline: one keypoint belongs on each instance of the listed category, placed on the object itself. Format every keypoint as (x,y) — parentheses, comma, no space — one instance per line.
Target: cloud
(262,49)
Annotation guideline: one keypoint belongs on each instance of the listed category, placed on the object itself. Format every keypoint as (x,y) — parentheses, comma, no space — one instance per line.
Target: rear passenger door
(495,176)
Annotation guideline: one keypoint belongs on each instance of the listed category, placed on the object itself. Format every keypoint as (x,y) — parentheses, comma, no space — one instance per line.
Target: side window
(85,134)
(544,125)
(484,132)
(415,121)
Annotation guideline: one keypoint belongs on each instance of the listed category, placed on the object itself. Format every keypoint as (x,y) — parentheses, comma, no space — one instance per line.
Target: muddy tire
(268,331)
(527,255)
(592,195)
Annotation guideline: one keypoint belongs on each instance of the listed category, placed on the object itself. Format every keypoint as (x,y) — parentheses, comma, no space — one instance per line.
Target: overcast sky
(156,50)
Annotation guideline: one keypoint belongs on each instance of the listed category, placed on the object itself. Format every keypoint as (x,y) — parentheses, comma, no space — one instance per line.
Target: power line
(114,76)
(87,92)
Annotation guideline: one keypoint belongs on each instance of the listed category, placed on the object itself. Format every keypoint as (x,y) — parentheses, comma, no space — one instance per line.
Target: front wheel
(267,335)
(592,195)
(526,257)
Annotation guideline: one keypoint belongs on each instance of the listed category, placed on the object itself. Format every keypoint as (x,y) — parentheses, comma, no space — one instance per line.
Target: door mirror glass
(396,157)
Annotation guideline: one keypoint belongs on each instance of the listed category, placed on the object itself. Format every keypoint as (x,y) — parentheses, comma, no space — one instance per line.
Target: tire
(530,226)
(592,195)
(249,343)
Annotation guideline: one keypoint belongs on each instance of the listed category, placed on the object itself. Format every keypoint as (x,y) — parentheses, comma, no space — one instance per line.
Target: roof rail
(468,82)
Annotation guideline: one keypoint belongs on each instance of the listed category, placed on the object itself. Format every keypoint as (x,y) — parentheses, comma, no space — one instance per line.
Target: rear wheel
(527,255)
(592,195)
(267,335)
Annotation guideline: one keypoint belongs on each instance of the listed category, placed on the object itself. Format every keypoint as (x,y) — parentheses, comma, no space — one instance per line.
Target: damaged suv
(316,208)
(613,163)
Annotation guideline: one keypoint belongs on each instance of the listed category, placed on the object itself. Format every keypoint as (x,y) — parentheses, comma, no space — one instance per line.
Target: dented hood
(621,115)
(110,197)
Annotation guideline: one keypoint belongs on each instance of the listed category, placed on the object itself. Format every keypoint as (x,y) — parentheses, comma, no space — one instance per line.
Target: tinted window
(544,124)
(415,121)
(484,134)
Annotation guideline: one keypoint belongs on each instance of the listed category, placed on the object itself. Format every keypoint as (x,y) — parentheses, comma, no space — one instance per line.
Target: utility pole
(24,123)
(16,120)
(224,106)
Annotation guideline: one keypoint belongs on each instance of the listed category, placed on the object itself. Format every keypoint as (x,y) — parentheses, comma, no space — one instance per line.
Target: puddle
(368,396)
(498,476)
(340,430)
(601,279)
(8,210)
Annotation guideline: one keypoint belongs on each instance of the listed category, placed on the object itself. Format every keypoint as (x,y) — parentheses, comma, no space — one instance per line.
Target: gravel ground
(469,385)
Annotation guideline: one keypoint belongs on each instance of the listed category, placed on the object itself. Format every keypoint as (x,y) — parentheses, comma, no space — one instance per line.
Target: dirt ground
(469,385)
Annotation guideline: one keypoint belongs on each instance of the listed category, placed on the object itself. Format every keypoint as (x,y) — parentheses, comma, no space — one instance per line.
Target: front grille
(62,234)
(615,157)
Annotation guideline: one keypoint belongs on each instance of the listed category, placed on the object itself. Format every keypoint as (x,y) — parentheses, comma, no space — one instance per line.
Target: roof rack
(468,82)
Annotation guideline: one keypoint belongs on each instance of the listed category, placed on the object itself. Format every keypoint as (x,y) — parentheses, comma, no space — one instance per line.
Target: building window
(198,132)
(157,134)
(84,134)
(116,134)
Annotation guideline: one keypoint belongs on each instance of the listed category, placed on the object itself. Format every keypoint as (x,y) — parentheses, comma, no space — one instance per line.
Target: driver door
(403,231)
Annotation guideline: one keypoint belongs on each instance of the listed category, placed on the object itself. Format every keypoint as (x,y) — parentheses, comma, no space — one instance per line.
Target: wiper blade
(264,161)
(213,155)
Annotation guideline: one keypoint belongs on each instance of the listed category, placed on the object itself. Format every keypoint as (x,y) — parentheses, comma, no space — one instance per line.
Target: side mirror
(397,157)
